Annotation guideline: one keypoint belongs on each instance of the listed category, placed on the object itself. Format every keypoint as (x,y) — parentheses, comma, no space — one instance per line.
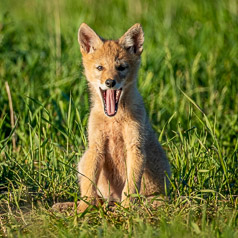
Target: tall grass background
(188,79)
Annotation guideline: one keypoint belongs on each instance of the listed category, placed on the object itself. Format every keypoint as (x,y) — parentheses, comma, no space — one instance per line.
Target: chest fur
(114,142)
(115,156)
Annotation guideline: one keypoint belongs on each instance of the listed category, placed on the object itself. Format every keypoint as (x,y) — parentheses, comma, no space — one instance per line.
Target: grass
(188,79)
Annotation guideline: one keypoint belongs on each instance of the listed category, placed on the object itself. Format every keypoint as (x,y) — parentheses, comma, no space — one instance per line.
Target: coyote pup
(124,155)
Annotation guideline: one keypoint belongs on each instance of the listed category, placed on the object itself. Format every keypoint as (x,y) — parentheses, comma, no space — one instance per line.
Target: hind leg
(64,206)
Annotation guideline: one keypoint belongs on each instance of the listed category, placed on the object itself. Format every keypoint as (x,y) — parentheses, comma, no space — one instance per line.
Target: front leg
(135,161)
(89,169)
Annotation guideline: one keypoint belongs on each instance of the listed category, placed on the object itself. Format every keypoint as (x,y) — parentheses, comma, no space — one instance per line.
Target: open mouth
(110,98)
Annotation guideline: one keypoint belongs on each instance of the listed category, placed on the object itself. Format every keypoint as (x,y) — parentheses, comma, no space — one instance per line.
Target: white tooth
(117,95)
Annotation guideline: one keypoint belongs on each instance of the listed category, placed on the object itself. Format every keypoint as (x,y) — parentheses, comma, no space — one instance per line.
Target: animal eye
(100,68)
(121,67)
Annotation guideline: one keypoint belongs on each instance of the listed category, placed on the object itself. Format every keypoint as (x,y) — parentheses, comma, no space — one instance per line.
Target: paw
(126,202)
(82,206)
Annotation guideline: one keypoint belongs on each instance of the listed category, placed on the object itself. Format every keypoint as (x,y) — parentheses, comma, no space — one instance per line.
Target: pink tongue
(110,102)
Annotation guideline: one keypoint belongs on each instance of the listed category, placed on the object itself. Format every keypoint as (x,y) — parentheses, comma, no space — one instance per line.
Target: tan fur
(123,153)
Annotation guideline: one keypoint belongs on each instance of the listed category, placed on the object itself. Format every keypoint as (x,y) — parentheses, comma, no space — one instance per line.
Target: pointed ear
(89,41)
(133,39)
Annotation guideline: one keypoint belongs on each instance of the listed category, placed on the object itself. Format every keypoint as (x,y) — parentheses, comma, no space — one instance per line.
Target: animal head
(111,65)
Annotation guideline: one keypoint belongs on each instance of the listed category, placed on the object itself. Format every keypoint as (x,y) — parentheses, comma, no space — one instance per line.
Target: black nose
(110,83)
